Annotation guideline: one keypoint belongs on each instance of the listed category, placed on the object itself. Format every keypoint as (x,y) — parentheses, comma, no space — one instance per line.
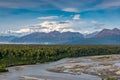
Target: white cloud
(74,25)
(54,25)
(68,25)
(25,30)
(70,9)
(65,5)
(81,26)
(108,4)
(76,17)
(48,17)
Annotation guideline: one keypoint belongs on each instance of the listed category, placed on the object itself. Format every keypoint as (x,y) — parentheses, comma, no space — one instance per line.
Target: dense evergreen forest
(12,55)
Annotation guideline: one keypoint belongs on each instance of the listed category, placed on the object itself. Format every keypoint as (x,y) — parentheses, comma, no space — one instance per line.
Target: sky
(84,16)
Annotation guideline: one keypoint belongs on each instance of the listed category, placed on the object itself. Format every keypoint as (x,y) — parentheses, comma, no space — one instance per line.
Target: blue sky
(85,16)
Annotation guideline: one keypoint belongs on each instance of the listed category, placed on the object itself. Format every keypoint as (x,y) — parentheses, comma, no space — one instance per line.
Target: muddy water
(39,72)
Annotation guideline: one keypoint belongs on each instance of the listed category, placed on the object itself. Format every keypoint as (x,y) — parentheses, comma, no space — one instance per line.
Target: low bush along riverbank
(13,55)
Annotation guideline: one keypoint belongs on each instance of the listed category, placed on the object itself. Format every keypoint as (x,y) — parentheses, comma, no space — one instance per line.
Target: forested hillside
(12,55)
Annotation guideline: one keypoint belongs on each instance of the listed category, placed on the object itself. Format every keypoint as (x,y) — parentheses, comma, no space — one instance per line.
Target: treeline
(12,55)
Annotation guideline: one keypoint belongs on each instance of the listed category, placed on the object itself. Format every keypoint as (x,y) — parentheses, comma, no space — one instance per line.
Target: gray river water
(39,71)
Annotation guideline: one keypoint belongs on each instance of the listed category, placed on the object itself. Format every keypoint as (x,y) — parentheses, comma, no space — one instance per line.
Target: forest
(13,55)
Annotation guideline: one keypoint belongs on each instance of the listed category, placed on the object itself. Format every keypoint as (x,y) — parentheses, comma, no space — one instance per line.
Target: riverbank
(15,55)
(42,71)
(39,72)
(102,66)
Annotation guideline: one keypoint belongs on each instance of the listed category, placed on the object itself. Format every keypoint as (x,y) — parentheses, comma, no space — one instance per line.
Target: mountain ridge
(51,37)
(108,32)
(105,36)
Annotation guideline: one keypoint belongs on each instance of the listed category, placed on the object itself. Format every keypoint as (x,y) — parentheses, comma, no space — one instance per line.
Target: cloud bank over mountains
(75,24)
(84,16)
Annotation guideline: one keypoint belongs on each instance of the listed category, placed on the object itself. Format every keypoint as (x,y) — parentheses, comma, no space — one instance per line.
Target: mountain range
(54,37)
(105,36)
